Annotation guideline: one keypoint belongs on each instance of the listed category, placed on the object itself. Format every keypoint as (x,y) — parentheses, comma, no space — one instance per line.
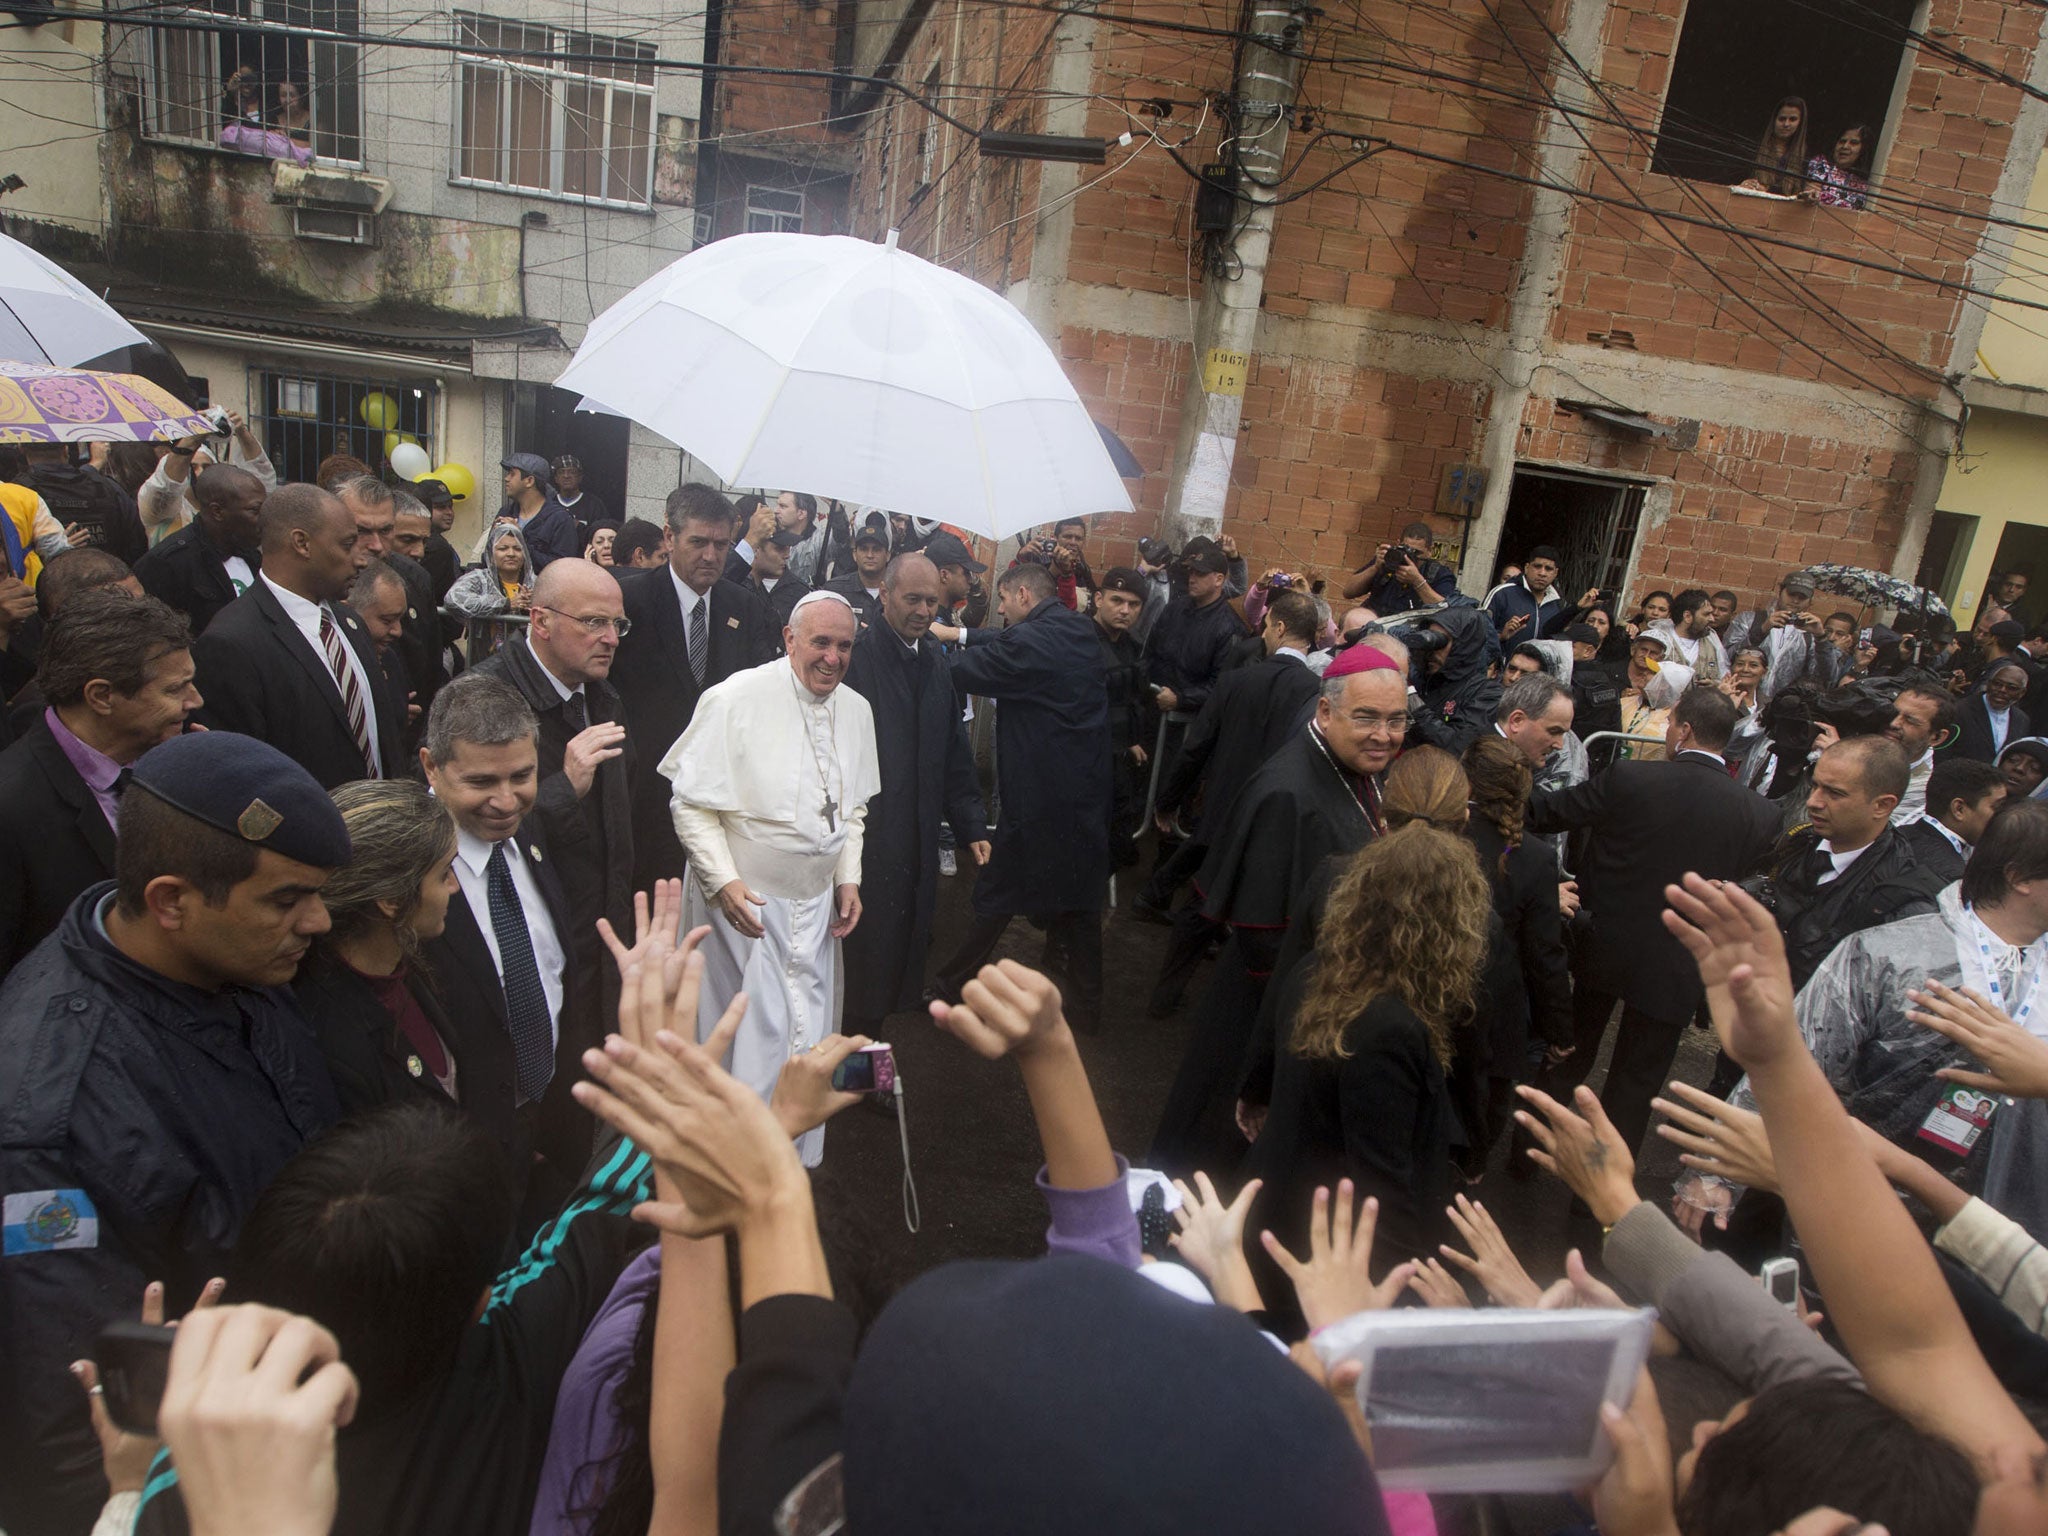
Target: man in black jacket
(927,771)
(289,663)
(1457,700)
(768,575)
(376,506)
(562,667)
(1991,716)
(690,631)
(79,495)
(862,586)
(1962,796)
(1051,856)
(214,559)
(116,679)
(1194,635)
(1118,603)
(1649,823)
(154,1076)
(1847,869)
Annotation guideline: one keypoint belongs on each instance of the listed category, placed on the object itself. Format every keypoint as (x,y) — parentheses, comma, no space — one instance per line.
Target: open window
(1738,59)
(228,76)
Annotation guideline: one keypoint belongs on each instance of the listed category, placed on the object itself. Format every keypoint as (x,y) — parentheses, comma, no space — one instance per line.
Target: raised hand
(1584,1149)
(1492,1262)
(1718,1138)
(1437,1286)
(1634,1497)
(804,1097)
(1739,951)
(2017,1059)
(251,1405)
(1211,1240)
(1006,1009)
(1335,1280)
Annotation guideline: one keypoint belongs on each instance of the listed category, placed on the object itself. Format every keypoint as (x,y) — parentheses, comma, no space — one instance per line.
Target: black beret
(250,789)
(2007,629)
(1121,578)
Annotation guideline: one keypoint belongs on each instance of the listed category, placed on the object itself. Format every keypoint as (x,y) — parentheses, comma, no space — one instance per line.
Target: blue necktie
(526,1001)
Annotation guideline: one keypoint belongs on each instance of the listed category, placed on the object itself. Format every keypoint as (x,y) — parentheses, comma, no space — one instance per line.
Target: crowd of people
(429,979)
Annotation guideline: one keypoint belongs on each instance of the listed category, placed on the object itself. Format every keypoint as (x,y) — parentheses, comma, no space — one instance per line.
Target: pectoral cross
(831,814)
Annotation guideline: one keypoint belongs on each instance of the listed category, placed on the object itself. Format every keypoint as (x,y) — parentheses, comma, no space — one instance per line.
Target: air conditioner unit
(344,226)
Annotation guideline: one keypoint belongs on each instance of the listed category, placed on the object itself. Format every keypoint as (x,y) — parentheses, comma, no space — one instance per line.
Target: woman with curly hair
(1527,981)
(1359,1089)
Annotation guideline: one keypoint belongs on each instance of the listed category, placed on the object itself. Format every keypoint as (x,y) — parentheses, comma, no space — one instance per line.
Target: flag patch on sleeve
(43,1220)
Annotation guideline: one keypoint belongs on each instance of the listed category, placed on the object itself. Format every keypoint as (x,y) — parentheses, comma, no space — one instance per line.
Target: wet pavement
(974,1151)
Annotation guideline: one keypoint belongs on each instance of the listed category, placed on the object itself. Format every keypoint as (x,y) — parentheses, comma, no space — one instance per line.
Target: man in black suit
(690,631)
(116,675)
(376,508)
(289,663)
(1649,823)
(213,559)
(583,807)
(1962,795)
(1992,716)
(503,964)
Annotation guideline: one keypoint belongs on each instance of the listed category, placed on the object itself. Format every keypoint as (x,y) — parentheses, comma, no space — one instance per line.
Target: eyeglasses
(1369,724)
(593,624)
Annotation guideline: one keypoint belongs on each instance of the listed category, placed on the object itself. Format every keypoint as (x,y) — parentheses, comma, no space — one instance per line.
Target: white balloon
(410,460)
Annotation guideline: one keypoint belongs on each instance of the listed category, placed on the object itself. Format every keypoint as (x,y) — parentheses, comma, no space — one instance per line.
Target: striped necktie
(351,691)
(700,637)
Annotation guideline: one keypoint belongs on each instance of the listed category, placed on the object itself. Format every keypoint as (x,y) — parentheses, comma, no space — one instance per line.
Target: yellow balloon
(460,482)
(393,439)
(379,411)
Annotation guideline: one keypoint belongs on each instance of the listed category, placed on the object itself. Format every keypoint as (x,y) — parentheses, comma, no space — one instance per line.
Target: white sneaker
(948,863)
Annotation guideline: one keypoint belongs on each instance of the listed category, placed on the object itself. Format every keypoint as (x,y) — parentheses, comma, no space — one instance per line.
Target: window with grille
(301,418)
(564,114)
(239,82)
(775,211)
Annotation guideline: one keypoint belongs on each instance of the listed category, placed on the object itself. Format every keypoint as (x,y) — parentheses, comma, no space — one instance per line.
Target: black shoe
(1145,910)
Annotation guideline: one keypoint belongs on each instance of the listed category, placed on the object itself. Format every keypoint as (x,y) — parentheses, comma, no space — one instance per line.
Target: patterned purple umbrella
(76,405)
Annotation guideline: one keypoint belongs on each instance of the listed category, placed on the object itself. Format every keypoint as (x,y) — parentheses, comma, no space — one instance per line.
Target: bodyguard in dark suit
(504,967)
(927,770)
(584,807)
(2004,688)
(689,631)
(213,559)
(289,663)
(1649,823)
(117,680)
(1133,721)
(1045,672)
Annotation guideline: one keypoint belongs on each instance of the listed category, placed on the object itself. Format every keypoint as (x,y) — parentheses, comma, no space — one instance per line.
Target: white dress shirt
(689,599)
(305,616)
(472,854)
(2001,722)
(1841,861)
(238,573)
(562,689)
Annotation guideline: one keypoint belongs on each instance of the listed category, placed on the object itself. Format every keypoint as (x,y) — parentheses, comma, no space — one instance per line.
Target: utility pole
(1227,322)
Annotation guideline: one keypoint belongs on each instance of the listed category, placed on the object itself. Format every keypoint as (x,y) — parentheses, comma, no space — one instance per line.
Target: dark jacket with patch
(139,1120)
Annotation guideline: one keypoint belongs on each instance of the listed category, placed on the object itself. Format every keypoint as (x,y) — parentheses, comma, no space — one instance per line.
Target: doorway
(1590,521)
(545,421)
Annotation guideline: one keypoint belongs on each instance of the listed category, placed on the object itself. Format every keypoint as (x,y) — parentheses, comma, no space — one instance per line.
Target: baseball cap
(784,538)
(1204,554)
(528,464)
(874,529)
(1798,581)
(1581,634)
(944,549)
(568,461)
(1121,578)
(433,493)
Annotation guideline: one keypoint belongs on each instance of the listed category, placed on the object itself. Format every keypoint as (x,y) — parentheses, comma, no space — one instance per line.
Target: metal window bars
(303,417)
(581,130)
(245,86)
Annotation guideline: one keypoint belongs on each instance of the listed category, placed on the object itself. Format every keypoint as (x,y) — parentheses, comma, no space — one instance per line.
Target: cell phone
(1781,1279)
(871,1069)
(134,1361)
(1500,1401)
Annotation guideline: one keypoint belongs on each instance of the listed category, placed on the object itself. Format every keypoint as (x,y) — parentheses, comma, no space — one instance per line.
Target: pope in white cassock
(772,781)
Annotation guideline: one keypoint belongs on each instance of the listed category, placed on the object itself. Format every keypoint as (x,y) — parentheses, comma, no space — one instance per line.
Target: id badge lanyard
(1976,955)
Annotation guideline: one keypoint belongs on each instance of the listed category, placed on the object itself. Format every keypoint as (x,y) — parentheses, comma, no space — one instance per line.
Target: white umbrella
(848,369)
(49,316)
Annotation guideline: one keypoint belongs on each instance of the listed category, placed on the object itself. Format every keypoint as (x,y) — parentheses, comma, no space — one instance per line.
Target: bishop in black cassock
(927,770)
(1313,798)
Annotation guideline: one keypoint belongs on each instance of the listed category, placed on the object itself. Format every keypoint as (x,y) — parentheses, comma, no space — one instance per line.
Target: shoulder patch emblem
(258,821)
(45,1220)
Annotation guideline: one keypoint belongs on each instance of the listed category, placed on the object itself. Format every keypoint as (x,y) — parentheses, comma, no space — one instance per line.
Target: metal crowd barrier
(481,636)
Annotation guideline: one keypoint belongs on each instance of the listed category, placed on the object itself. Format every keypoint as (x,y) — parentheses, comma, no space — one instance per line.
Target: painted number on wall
(1464,488)
(1223,372)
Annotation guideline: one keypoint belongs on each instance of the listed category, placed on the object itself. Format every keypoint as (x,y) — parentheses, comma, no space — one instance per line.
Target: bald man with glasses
(562,669)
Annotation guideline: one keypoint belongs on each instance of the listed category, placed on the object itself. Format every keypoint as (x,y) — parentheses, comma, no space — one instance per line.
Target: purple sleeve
(1097,1222)
(585,1428)
(1255,607)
